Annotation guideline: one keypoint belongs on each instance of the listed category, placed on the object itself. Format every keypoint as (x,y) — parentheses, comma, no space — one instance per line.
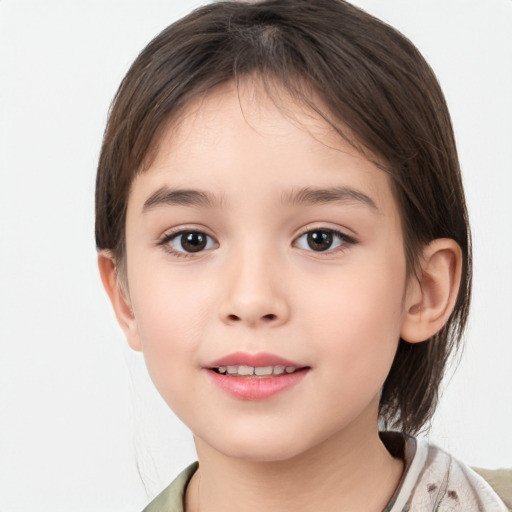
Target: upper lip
(260,359)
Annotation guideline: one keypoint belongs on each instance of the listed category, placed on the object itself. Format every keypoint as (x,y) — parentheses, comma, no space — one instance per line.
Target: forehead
(257,103)
(243,139)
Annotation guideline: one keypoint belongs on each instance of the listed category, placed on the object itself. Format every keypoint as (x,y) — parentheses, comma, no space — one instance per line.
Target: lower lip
(256,388)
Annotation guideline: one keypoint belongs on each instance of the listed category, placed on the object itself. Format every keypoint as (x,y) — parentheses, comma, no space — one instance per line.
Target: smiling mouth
(255,371)
(260,376)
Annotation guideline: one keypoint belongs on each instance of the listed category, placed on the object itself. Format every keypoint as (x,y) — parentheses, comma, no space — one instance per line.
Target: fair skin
(318,279)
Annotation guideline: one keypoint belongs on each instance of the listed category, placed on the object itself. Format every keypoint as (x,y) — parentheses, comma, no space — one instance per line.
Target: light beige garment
(433,481)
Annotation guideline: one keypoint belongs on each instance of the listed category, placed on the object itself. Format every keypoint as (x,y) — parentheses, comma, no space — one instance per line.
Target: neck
(352,470)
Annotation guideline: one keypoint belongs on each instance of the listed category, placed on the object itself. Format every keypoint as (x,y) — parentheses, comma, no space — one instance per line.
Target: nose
(254,293)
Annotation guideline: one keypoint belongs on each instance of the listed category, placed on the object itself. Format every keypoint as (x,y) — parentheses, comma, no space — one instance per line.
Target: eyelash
(169,237)
(345,241)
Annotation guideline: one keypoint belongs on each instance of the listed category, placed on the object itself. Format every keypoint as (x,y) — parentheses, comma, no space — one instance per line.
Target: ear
(431,295)
(119,298)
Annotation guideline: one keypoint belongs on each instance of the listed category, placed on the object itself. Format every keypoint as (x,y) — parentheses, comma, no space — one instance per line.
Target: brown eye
(190,242)
(193,242)
(321,240)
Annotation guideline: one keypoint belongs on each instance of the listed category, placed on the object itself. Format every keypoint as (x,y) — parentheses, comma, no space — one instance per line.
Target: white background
(78,415)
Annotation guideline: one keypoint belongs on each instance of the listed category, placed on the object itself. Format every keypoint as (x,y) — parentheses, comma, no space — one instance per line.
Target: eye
(321,240)
(187,242)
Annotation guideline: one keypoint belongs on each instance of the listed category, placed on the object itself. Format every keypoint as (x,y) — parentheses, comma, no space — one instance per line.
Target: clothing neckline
(400,446)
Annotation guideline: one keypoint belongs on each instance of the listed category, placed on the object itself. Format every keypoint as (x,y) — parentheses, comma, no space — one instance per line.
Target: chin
(268,452)
(269,445)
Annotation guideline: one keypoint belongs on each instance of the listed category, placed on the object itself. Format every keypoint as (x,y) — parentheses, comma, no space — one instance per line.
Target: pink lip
(246,359)
(254,387)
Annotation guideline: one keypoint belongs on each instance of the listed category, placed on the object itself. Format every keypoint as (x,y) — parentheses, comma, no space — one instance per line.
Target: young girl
(282,232)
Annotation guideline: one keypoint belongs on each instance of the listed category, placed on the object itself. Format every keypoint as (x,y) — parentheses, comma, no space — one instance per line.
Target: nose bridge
(255,291)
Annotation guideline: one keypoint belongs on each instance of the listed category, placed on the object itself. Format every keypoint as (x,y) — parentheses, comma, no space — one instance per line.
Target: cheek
(170,306)
(356,320)
(172,316)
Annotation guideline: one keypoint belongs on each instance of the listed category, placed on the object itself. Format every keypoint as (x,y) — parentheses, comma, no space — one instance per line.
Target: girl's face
(262,240)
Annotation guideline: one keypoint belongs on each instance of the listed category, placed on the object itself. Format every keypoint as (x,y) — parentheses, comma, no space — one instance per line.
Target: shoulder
(501,481)
(171,498)
(435,480)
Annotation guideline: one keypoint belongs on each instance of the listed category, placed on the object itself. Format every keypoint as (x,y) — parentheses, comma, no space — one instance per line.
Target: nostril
(252,318)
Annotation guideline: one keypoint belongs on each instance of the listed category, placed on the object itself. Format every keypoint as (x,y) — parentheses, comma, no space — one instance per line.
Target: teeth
(263,370)
(246,370)
(260,371)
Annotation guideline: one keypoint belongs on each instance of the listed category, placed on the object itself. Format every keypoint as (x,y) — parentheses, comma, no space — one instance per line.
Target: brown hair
(369,78)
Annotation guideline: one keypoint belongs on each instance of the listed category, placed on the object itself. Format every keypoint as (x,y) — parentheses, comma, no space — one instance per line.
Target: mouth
(255,371)
(262,364)
(255,376)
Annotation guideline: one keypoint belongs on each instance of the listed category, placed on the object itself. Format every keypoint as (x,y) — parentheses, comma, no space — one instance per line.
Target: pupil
(193,241)
(319,240)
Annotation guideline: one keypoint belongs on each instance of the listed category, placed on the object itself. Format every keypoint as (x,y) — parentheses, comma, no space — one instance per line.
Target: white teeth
(246,370)
(260,371)
(263,370)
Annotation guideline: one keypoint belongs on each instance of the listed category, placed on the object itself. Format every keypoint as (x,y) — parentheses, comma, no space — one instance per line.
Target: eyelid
(173,233)
(325,226)
(347,240)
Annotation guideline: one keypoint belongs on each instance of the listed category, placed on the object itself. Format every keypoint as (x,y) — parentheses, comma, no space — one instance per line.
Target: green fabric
(501,481)
(171,498)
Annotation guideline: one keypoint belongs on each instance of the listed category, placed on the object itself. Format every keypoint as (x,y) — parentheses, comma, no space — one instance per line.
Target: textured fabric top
(432,481)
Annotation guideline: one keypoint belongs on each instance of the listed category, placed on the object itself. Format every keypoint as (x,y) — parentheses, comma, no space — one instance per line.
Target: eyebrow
(309,195)
(166,196)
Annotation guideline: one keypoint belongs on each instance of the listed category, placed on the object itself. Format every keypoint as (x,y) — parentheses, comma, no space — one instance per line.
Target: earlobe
(431,295)
(119,299)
